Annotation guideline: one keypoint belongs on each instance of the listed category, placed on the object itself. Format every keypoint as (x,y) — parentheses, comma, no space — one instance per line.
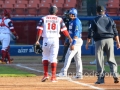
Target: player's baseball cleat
(78,77)
(44,78)
(93,62)
(54,80)
(11,60)
(4,63)
(0,61)
(100,80)
(61,75)
(116,80)
(8,62)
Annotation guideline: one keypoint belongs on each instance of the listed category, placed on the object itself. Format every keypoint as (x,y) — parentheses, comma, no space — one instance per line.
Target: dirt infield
(34,65)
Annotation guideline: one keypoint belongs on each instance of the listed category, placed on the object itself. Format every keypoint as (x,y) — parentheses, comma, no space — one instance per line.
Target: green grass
(91,58)
(7,71)
(93,68)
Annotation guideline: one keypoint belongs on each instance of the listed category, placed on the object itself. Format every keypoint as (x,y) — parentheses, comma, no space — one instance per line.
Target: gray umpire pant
(107,46)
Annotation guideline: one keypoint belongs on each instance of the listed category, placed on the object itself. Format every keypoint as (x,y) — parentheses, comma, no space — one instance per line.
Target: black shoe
(100,80)
(116,80)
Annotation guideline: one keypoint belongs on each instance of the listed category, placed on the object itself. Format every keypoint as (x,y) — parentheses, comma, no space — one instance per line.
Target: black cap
(100,8)
(53,9)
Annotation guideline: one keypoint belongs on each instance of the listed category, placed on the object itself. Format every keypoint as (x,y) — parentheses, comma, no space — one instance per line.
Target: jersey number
(51,26)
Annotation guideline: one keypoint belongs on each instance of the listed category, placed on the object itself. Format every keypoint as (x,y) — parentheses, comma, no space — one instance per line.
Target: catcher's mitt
(38,49)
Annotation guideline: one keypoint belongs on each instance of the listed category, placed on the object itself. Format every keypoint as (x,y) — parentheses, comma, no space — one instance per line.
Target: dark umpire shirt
(102,27)
(66,21)
(91,2)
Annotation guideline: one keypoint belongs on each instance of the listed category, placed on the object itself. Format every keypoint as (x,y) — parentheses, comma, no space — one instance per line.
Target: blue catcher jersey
(75,28)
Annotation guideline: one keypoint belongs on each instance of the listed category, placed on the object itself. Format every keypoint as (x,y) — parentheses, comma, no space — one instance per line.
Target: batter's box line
(70,80)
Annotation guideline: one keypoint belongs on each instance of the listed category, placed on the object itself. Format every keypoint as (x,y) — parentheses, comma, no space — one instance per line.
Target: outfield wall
(28,50)
(26,29)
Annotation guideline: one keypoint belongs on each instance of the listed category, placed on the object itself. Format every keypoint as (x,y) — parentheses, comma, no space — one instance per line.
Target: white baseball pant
(50,49)
(76,53)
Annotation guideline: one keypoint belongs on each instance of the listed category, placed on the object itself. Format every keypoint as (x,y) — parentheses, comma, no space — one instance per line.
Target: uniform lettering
(51,31)
(51,21)
(51,26)
(55,18)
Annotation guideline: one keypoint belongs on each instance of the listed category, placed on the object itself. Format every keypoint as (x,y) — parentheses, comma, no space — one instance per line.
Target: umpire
(103,30)
(66,20)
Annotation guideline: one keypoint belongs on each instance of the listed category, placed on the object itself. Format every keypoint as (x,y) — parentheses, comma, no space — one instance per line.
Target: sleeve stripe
(41,28)
(63,29)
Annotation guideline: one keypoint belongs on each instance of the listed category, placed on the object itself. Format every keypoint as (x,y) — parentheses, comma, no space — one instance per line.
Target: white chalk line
(70,80)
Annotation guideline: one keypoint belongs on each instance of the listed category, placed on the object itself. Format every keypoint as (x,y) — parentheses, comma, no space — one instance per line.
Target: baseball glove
(38,49)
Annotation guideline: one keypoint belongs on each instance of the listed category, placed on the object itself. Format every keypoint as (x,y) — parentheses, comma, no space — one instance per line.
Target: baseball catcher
(38,49)
(6,27)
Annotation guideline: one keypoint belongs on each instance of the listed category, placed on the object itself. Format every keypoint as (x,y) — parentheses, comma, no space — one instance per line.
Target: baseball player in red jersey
(49,28)
(6,26)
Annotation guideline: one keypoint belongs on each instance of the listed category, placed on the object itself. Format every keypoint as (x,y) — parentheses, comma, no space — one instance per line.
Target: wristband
(73,42)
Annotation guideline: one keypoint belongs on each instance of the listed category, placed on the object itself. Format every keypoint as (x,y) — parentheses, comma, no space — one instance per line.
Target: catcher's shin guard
(8,56)
(3,55)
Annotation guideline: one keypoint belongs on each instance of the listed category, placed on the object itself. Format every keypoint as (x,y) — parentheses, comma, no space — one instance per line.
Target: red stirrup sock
(53,69)
(45,66)
(3,55)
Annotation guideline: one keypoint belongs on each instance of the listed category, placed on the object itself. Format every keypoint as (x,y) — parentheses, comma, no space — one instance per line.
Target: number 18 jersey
(51,26)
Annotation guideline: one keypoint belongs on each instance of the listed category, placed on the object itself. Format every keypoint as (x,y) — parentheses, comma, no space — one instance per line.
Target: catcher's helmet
(53,9)
(73,11)
(101,8)
(66,13)
(6,13)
